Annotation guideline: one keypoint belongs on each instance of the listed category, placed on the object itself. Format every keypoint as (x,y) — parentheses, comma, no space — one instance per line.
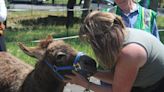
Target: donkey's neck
(49,82)
(39,81)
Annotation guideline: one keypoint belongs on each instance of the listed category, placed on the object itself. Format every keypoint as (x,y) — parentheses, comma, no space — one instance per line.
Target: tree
(70,12)
(86,8)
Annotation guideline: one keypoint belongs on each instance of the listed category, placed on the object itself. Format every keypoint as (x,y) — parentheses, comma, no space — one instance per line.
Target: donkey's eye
(59,57)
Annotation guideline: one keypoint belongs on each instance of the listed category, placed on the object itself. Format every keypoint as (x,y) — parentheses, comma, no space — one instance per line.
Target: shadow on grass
(48,21)
(36,28)
(162,36)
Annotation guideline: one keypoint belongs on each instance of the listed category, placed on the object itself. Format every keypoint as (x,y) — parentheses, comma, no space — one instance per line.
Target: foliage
(160,22)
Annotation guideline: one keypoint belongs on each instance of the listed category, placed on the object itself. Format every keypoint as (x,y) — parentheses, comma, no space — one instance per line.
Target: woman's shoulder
(133,53)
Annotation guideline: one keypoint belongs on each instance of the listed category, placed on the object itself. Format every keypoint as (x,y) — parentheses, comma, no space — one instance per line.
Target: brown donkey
(55,59)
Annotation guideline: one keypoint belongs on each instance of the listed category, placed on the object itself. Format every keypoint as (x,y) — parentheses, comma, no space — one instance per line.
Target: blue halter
(75,66)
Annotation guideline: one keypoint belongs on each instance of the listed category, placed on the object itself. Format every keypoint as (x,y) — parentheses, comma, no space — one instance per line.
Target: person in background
(133,58)
(136,16)
(3,15)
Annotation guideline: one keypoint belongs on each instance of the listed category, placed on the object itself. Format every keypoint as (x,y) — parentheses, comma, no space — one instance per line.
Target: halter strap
(79,54)
(75,66)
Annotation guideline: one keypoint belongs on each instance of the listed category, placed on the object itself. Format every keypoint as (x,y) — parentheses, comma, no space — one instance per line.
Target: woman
(134,58)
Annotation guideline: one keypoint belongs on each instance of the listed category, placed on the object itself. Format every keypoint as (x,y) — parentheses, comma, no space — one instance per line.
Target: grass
(160,22)
(162,36)
(13,49)
(29,26)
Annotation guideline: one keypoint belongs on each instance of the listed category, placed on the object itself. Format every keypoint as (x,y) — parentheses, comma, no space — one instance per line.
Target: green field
(160,23)
(33,25)
(29,26)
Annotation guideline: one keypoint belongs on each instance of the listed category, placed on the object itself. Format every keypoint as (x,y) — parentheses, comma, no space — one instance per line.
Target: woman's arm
(80,80)
(131,59)
(105,76)
(99,88)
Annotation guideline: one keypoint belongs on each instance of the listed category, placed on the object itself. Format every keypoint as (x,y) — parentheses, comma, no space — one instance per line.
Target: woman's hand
(77,79)
(80,80)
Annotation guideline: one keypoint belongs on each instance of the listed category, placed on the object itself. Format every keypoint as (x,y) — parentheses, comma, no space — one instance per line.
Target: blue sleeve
(155,31)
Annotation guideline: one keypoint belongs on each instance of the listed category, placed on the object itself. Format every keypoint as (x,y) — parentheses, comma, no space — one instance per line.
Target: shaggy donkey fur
(16,76)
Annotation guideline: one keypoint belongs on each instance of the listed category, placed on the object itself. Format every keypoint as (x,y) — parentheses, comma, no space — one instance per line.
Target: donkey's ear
(35,52)
(45,42)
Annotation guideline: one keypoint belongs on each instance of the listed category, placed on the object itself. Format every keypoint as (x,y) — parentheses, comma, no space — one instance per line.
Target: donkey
(54,60)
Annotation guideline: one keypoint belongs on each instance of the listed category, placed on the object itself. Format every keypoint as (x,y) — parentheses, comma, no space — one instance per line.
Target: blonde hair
(105,33)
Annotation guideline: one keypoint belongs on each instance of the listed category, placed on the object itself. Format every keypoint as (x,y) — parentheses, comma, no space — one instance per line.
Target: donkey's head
(60,58)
